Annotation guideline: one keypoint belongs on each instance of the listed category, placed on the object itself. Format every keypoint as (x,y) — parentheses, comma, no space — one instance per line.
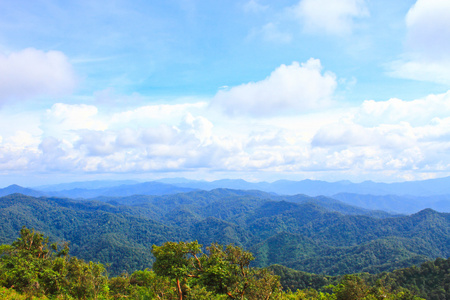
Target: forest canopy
(32,268)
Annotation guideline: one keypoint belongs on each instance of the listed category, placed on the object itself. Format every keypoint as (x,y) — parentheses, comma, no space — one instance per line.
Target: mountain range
(400,198)
(312,234)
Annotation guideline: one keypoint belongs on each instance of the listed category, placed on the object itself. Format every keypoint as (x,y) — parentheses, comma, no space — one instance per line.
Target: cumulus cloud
(96,143)
(392,137)
(397,135)
(62,118)
(342,134)
(335,17)
(30,73)
(428,23)
(296,87)
(19,151)
(427,53)
(199,127)
(80,138)
(418,112)
(149,115)
(58,155)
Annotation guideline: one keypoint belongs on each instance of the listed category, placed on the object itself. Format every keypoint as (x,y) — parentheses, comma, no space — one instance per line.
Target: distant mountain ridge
(430,187)
(89,185)
(395,203)
(421,188)
(403,197)
(110,190)
(146,188)
(14,188)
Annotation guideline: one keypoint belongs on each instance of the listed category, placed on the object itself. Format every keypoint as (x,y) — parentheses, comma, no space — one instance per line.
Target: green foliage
(222,271)
(297,280)
(31,267)
(176,260)
(299,232)
(353,287)
(11,294)
(431,280)
(148,285)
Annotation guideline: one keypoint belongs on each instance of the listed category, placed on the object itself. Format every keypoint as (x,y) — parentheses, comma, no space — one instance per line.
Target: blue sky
(253,89)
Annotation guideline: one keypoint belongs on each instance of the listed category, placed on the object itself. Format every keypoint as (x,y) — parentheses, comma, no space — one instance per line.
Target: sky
(253,89)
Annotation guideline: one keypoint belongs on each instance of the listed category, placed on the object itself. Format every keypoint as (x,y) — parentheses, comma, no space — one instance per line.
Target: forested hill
(430,280)
(317,235)
(31,268)
(401,198)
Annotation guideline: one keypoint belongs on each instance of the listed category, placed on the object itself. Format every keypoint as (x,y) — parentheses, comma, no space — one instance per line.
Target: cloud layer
(394,139)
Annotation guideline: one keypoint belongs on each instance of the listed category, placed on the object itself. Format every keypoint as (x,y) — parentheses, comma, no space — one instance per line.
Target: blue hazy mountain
(90,185)
(146,188)
(395,203)
(430,187)
(110,190)
(402,197)
(424,188)
(14,188)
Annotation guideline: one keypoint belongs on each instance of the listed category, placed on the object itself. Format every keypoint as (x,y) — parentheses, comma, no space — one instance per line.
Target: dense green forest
(31,268)
(315,235)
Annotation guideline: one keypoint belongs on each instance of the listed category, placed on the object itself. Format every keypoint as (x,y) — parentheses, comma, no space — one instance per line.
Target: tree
(30,266)
(177,261)
(222,271)
(148,285)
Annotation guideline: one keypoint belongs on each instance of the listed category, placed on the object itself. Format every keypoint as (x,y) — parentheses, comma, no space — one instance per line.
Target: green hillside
(309,236)
(32,268)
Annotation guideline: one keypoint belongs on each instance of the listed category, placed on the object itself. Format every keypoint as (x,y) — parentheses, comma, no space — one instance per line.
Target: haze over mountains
(404,197)
(430,187)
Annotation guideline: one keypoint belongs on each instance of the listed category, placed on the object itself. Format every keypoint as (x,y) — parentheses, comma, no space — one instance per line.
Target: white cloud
(19,151)
(335,17)
(394,138)
(297,87)
(24,139)
(30,72)
(58,155)
(65,118)
(338,134)
(422,69)
(427,53)
(428,23)
(418,112)
(151,115)
(163,134)
(96,143)
(199,127)
(395,135)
